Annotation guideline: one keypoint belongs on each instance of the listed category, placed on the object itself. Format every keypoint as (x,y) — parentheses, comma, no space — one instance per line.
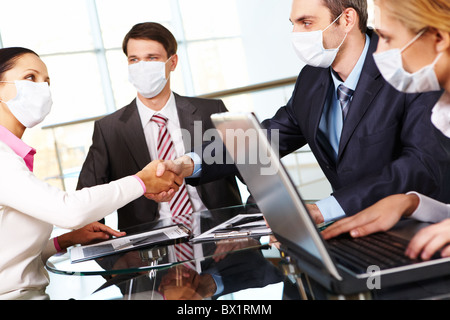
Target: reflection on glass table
(215,277)
(163,256)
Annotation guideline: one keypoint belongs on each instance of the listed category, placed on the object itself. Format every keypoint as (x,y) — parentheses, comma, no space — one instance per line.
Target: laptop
(285,212)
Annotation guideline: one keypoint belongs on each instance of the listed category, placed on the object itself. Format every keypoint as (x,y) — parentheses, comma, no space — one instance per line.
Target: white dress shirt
(151,131)
(30,207)
(430,210)
(441,114)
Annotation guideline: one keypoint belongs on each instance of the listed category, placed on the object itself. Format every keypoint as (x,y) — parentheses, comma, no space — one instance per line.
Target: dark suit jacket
(388,143)
(119,149)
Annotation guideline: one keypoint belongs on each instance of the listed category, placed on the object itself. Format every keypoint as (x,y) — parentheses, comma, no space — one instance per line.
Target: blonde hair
(420,14)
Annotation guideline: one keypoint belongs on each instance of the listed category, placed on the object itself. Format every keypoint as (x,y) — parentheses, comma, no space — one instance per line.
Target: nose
(296,28)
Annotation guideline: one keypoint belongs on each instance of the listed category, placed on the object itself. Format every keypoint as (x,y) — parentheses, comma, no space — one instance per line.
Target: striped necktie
(184,252)
(344,95)
(180,205)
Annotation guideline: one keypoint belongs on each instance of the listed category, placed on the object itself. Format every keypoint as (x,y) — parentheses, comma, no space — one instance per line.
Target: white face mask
(309,47)
(390,65)
(32,102)
(148,77)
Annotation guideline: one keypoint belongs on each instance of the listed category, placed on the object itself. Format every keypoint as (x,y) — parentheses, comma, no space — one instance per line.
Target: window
(223,44)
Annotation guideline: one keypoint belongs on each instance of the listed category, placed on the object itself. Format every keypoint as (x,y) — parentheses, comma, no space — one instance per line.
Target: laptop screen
(269,183)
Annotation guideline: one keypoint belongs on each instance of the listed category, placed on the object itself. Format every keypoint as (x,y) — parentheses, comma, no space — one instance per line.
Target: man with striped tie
(155,125)
(370,140)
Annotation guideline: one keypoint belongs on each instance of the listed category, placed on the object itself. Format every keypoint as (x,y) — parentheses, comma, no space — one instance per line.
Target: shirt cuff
(197,164)
(56,244)
(218,280)
(430,210)
(142,183)
(330,209)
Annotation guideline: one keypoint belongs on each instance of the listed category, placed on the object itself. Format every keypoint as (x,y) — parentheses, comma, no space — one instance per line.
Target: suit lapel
(133,134)
(188,114)
(370,83)
(362,100)
(317,107)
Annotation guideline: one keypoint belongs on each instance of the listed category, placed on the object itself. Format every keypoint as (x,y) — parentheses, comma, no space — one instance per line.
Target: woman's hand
(161,197)
(429,240)
(92,232)
(382,216)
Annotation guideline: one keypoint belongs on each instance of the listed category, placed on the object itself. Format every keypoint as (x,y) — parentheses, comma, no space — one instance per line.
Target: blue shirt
(331,126)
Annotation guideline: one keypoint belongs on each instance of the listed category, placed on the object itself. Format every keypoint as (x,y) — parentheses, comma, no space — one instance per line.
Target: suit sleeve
(95,169)
(284,124)
(221,106)
(422,164)
(209,152)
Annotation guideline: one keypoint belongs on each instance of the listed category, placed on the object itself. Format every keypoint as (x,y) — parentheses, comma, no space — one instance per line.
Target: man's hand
(182,167)
(315,213)
(182,283)
(164,181)
(381,216)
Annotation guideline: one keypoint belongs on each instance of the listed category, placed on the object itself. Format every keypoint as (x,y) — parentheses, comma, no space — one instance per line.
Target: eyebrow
(147,55)
(303,18)
(380,33)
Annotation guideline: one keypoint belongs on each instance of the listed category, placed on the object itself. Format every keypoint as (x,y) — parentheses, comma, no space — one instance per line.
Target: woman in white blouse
(29,208)
(414,56)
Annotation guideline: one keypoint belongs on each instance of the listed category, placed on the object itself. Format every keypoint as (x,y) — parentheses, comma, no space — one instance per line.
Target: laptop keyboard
(379,249)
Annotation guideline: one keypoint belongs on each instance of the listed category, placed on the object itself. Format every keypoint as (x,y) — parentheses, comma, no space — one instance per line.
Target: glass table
(156,257)
(219,268)
(222,276)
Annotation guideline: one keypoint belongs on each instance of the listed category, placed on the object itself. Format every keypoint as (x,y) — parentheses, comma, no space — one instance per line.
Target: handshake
(163,178)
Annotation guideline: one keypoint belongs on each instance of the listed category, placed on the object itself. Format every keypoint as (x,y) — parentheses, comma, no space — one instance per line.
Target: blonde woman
(413,56)
(29,207)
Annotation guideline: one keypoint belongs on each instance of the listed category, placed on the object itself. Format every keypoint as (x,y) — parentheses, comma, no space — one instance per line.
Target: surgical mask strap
(169,71)
(413,40)
(421,33)
(333,22)
(437,59)
(343,40)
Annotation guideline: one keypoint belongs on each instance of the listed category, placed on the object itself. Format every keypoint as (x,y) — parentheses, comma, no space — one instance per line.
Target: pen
(232,234)
(322,226)
(245,220)
(133,242)
(226,230)
(124,245)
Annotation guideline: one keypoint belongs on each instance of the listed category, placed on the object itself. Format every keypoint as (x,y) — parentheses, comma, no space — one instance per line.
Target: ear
(350,19)
(442,40)
(173,62)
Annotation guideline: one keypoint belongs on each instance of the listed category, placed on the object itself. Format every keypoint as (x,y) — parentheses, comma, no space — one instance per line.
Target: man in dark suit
(127,140)
(370,140)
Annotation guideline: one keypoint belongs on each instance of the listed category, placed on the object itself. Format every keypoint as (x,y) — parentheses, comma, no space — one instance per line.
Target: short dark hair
(152,31)
(338,6)
(9,56)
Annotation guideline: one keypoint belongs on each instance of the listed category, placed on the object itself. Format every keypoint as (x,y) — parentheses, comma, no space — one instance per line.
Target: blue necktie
(344,95)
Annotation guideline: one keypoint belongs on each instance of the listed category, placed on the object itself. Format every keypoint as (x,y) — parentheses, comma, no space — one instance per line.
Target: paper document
(243,225)
(126,243)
